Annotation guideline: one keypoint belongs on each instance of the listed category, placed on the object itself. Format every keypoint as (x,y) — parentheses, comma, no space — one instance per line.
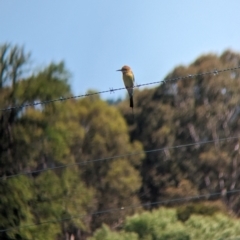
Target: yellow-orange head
(125,69)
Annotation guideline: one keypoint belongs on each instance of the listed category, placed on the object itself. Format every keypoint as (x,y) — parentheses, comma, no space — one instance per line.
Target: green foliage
(160,224)
(163,224)
(105,233)
(116,180)
(14,208)
(122,178)
(36,138)
(50,83)
(217,226)
(202,208)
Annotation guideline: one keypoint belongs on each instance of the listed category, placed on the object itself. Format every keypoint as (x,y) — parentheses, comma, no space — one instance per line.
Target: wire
(124,208)
(120,156)
(215,72)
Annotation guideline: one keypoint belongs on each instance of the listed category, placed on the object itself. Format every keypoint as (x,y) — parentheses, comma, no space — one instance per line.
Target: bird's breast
(128,79)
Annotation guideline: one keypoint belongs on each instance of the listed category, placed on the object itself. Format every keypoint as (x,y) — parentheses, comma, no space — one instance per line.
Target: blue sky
(95,38)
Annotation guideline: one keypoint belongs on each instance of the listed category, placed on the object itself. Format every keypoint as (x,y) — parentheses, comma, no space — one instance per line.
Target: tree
(116,181)
(188,111)
(33,139)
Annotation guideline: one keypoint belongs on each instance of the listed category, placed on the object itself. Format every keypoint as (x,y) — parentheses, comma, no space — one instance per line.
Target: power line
(121,156)
(197,197)
(111,90)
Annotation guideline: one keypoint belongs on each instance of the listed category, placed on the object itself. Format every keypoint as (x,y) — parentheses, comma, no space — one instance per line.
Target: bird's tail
(131,101)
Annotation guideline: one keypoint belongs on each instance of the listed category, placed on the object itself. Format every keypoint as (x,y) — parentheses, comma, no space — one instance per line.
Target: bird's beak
(119,70)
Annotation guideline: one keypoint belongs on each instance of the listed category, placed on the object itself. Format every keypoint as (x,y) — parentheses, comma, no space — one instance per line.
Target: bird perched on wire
(128,79)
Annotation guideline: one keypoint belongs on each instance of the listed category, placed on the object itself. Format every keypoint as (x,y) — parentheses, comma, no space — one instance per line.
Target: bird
(128,79)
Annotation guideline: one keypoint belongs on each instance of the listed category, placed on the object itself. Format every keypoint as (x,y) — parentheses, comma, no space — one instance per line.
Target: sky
(95,38)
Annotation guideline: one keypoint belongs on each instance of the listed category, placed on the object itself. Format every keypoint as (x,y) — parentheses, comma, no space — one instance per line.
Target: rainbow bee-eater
(128,79)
